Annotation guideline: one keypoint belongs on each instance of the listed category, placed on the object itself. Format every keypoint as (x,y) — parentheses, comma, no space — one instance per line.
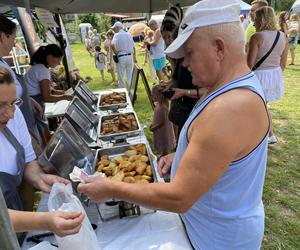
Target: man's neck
(230,73)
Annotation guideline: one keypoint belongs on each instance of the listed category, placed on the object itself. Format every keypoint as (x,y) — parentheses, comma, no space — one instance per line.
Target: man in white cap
(123,47)
(217,172)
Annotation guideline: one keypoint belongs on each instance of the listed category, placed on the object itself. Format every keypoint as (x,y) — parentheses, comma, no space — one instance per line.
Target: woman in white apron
(17,161)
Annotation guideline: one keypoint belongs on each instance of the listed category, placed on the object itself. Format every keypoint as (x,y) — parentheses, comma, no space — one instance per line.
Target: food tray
(113,106)
(119,135)
(119,151)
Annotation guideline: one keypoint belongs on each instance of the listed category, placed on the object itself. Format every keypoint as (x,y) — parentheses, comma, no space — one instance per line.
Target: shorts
(159,63)
(293,40)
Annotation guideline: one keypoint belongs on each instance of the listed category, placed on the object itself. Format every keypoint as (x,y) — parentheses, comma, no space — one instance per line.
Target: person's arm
(284,56)
(45,86)
(210,151)
(37,108)
(134,55)
(191,93)
(40,180)
(254,45)
(157,36)
(61,223)
(113,48)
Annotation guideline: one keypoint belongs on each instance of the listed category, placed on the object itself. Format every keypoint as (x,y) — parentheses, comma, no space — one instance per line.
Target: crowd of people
(211,123)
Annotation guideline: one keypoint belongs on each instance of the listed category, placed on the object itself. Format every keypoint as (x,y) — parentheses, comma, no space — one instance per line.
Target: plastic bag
(62,199)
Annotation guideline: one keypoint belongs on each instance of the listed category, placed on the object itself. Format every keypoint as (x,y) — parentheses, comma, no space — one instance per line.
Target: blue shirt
(230,215)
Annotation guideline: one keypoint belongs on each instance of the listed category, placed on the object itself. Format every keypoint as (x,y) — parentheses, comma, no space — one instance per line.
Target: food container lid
(83,120)
(65,150)
(86,96)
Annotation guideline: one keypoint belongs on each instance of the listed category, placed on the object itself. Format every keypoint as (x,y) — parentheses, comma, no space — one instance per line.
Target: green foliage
(104,23)
(99,21)
(91,18)
(40,29)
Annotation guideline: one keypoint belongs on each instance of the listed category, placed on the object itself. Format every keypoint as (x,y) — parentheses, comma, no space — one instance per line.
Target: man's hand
(64,223)
(95,188)
(164,165)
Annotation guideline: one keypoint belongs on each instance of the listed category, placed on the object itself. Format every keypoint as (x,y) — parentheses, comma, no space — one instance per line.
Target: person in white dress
(269,72)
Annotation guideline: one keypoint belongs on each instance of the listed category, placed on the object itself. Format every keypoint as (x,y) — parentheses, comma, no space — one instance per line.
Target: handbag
(115,58)
(178,113)
(268,53)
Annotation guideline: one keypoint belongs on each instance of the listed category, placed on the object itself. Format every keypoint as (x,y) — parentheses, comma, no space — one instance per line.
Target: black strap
(268,53)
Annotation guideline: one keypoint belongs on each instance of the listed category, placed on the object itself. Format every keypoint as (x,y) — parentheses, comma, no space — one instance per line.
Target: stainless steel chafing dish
(113,106)
(113,208)
(83,120)
(86,96)
(65,150)
(118,135)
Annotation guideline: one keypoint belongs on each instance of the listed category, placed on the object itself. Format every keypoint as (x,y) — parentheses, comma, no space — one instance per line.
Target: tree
(91,18)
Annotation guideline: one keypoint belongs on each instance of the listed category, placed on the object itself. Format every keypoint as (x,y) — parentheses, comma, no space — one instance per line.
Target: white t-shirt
(35,74)
(17,126)
(19,88)
(123,42)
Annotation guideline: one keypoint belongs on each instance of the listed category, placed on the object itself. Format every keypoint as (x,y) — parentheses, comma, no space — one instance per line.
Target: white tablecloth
(159,230)
(56,109)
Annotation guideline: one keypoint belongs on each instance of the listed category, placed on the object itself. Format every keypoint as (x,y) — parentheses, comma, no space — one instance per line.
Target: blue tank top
(230,215)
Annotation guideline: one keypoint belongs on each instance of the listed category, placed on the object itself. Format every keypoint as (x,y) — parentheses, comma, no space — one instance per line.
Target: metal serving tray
(83,120)
(113,106)
(86,96)
(122,135)
(65,150)
(119,150)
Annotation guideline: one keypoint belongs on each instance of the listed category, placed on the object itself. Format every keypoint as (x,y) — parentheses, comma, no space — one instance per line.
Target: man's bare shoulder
(236,100)
(236,116)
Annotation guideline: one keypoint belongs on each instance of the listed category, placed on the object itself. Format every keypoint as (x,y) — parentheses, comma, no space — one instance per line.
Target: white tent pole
(8,238)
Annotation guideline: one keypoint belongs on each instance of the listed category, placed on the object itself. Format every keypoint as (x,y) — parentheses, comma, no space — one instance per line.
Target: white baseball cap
(117,25)
(203,13)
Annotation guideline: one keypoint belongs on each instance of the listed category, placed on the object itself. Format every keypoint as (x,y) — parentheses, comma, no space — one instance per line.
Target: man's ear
(2,34)
(220,48)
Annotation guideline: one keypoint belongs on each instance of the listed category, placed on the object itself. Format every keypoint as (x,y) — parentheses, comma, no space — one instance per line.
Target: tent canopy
(245,8)
(95,6)
(296,7)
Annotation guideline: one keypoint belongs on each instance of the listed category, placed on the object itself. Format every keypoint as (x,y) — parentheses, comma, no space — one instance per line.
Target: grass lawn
(282,185)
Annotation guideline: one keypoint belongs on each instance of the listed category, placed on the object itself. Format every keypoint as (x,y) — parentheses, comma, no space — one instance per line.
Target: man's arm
(113,48)
(211,149)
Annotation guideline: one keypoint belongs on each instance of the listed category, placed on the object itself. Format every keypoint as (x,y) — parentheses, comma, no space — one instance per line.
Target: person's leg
(160,75)
(113,76)
(121,72)
(129,69)
(292,52)
(272,137)
(102,74)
